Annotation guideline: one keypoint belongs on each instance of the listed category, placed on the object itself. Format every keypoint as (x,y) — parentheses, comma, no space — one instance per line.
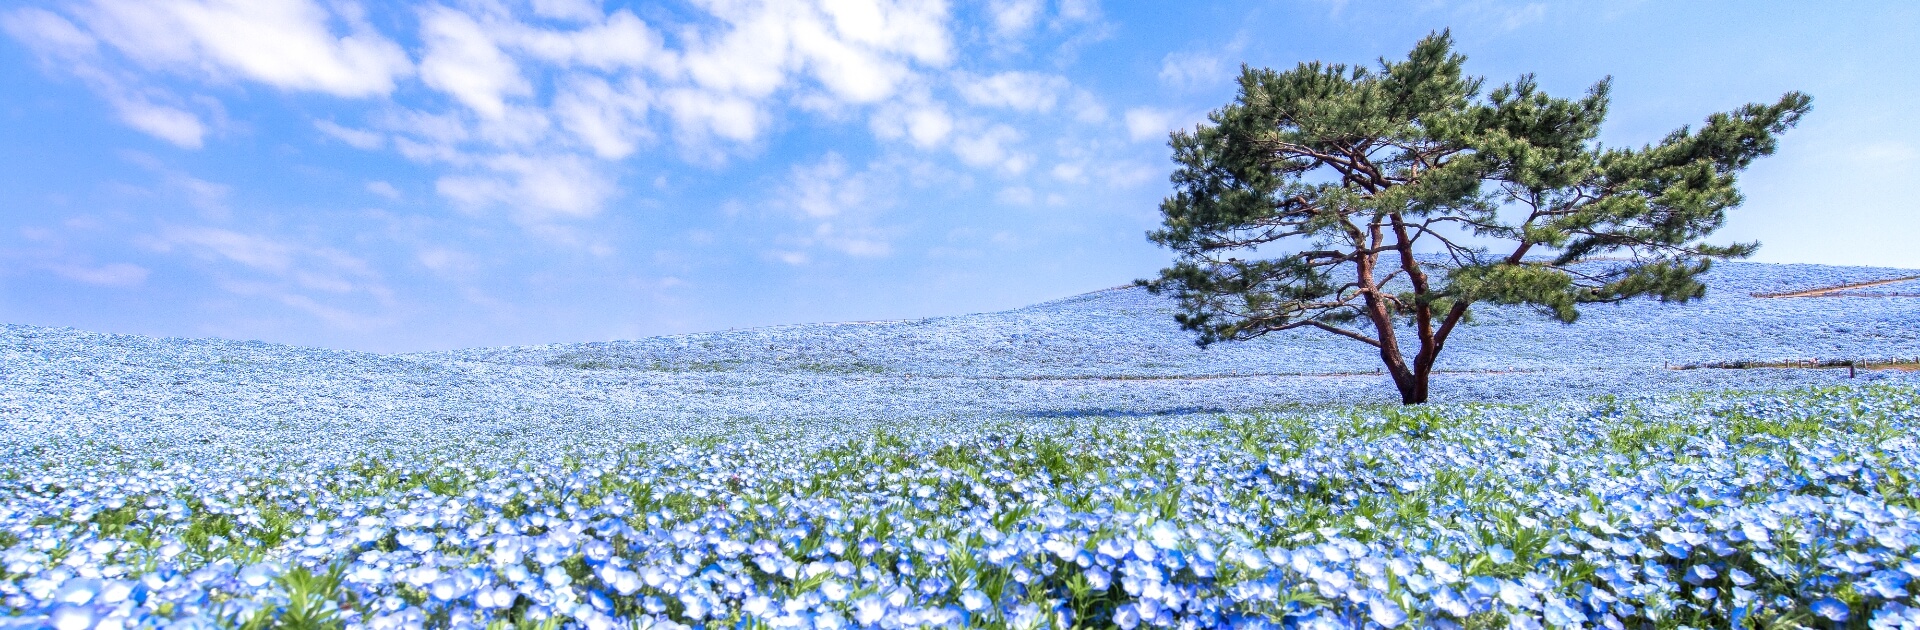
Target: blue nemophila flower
(1895,615)
(1830,608)
(1559,613)
(1543,515)
(1385,612)
(1451,603)
(1127,616)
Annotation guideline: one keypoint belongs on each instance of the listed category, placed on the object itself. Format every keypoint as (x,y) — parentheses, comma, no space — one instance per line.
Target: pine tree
(1355,169)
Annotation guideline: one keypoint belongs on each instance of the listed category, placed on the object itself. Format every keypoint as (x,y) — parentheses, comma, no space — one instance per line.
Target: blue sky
(403,176)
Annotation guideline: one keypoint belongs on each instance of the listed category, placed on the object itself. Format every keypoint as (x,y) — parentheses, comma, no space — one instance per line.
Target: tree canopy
(1401,196)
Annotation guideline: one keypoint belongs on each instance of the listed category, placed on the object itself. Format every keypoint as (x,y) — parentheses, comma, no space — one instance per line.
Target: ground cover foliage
(1779,509)
(1115,352)
(1077,462)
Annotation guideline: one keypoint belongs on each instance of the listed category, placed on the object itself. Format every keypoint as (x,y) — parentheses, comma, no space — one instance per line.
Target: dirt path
(1834,289)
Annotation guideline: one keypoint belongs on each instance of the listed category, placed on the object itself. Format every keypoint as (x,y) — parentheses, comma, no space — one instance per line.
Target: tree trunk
(1411,382)
(1413,388)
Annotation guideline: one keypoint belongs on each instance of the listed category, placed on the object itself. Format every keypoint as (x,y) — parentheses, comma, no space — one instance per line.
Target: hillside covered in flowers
(1077,463)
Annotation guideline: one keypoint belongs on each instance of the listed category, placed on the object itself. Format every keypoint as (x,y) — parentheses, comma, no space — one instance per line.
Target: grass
(849,368)
(584,361)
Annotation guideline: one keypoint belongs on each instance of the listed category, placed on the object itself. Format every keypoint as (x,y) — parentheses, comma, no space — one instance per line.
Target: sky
(416,176)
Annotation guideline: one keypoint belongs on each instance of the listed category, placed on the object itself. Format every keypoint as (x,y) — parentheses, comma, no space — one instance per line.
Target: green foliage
(1355,169)
(314,599)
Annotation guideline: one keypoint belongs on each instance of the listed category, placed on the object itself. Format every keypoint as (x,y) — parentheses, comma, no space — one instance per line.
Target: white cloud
(1014,17)
(989,149)
(47,32)
(839,206)
(859,52)
(700,114)
(447,261)
(427,128)
(463,61)
(1016,195)
(356,138)
(1885,152)
(847,71)
(63,45)
(283,272)
(916,29)
(540,96)
(519,126)
(325,311)
(621,41)
(925,125)
(719,88)
(177,126)
(1070,172)
(1079,10)
(1023,91)
(284,43)
(257,252)
(928,126)
(1190,69)
(567,9)
(1146,123)
(824,190)
(1130,174)
(1516,18)
(210,197)
(610,120)
(537,188)
(751,59)
(1087,107)
(109,275)
(859,244)
(383,189)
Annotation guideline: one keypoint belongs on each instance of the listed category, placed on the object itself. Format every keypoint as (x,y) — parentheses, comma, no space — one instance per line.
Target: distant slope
(1850,289)
(1128,333)
(64,393)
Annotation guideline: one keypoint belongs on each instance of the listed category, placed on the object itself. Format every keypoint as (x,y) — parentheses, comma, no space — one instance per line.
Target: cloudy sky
(403,176)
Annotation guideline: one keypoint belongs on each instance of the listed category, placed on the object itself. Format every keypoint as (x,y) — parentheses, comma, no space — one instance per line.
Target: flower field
(1705,511)
(1068,464)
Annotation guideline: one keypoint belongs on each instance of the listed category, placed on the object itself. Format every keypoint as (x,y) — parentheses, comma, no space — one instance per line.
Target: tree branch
(1333,329)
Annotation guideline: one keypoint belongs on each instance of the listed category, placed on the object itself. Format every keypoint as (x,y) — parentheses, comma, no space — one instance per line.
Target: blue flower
(834,590)
(72,617)
(1830,609)
(1127,616)
(1384,612)
(1560,614)
(1164,536)
(973,600)
(1098,579)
